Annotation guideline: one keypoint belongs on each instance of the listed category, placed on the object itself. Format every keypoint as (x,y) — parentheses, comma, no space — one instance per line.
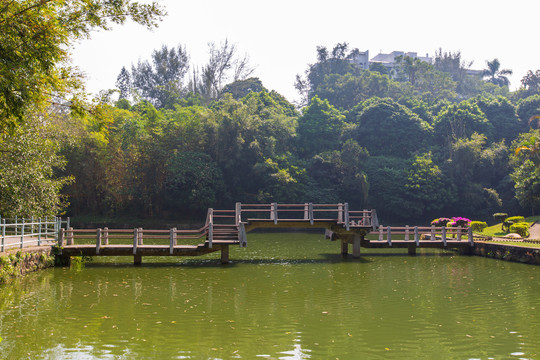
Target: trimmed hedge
(478,226)
(521,228)
(515,219)
(511,220)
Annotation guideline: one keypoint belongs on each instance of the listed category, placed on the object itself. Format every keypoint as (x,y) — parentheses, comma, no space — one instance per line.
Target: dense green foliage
(415,142)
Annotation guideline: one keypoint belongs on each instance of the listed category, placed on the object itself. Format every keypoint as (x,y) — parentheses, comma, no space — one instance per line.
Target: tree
(35,38)
(28,161)
(123,83)
(452,64)
(409,66)
(531,82)
(320,128)
(338,63)
(223,65)
(501,113)
(385,127)
(495,74)
(241,88)
(428,186)
(460,121)
(194,181)
(160,82)
(527,184)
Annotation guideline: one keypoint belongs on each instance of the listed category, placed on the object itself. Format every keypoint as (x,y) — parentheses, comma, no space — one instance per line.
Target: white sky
(281,36)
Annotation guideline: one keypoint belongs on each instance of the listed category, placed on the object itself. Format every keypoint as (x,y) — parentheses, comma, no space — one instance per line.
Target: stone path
(535,231)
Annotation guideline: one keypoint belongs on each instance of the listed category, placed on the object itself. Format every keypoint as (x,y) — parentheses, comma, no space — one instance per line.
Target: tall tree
(35,39)
(123,83)
(160,82)
(495,74)
(223,65)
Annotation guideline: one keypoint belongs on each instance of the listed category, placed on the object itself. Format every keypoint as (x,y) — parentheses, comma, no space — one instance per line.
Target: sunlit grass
(496,230)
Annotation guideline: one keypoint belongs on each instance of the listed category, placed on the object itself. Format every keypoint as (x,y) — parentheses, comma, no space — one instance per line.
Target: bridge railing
(426,233)
(307,212)
(129,237)
(20,233)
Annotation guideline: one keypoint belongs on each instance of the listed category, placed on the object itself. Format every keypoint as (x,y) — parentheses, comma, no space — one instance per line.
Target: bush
(520,228)
(441,221)
(478,226)
(514,219)
(460,222)
(511,220)
(499,217)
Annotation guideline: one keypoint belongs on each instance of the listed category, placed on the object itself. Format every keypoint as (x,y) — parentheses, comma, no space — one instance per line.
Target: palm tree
(495,75)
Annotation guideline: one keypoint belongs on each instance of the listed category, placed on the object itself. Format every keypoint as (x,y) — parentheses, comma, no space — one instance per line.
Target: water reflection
(296,304)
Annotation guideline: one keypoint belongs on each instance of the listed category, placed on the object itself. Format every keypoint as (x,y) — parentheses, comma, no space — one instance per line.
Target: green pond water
(286,296)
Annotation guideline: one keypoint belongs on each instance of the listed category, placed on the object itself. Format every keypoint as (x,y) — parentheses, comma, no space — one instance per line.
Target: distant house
(389,60)
(360,58)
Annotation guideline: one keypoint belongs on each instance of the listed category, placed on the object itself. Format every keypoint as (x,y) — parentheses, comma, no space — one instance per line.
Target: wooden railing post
(22,234)
(135,240)
(106,236)
(39,232)
(172,240)
(470,236)
(70,237)
(98,240)
(416,236)
(380,233)
(238,212)
(3,235)
(389,235)
(306,211)
(346,214)
(210,234)
(459,233)
(242,237)
(61,238)
(141,236)
(274,208)
(406,232)
(374,219)
(443,235)
(432,235)
(310,213)
(340,213)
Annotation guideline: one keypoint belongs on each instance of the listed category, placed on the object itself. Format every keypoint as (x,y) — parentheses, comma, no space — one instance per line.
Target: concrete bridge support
(356,245)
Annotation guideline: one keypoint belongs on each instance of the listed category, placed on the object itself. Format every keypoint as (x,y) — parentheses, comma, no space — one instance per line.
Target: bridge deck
(142,250)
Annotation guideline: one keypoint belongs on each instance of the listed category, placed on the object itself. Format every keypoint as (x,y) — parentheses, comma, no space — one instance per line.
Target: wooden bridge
(229,227)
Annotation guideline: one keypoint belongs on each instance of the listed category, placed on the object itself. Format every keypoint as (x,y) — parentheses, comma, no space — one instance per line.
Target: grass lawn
(496,230)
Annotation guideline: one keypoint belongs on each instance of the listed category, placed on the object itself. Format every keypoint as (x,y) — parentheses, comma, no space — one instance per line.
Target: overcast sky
(281,36)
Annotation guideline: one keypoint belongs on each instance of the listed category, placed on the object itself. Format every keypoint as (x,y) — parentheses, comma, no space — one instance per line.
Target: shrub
(514,219)
(520,228)
(441,221)
(499,217)
(460,222)
(478,226)
(511,220)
